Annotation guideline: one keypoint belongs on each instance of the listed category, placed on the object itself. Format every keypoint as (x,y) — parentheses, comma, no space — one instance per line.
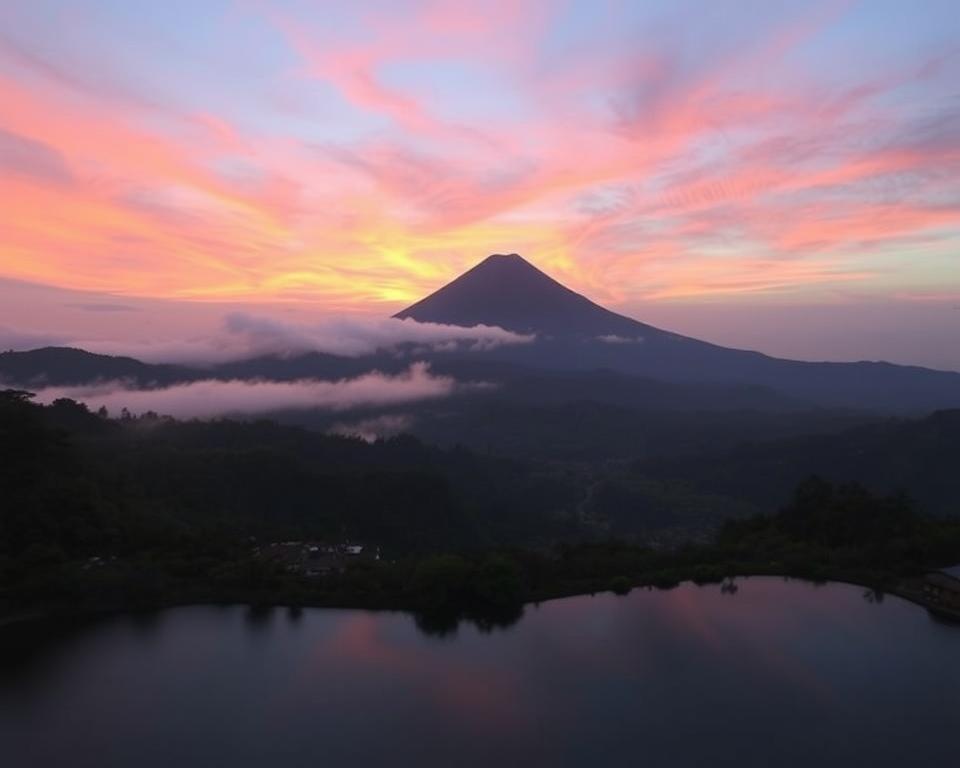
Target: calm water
(781,673)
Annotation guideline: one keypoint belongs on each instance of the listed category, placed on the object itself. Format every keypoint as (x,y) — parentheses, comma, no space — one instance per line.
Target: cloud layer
(245,336)
(210,398)
(365,156)
(352,337)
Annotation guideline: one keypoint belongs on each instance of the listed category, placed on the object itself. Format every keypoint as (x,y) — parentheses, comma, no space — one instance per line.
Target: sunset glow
(304,153)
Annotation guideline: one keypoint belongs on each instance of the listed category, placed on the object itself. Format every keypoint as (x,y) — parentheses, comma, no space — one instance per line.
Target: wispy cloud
(359,337)
(634,149)
(385,425)
(211,398)
(33,159)
(103,307)
(245,336)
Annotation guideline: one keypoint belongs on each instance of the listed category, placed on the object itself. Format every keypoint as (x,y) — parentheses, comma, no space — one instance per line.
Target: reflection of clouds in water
(684,629)
(487,694)
(757,627)
(581,681)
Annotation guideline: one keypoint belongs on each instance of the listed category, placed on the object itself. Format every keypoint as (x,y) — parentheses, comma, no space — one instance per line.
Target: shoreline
(901,590)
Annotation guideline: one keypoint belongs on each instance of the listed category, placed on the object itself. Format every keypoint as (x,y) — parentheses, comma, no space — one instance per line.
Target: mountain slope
(508,291)
(576,334)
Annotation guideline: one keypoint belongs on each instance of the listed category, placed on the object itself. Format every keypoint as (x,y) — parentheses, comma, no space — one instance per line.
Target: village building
(316,558)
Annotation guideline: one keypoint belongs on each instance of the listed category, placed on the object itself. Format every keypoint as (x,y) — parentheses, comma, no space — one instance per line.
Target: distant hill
(594,432)
(65,366)
(918,456)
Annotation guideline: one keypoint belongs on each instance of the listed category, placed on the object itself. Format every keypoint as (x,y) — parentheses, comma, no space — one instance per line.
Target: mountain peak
(505,258)
(508,291)
(504,264)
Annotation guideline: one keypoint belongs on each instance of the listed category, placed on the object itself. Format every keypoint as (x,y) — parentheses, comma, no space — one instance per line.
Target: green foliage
(497,582)
(917,455)
(847,515)
(447,588)
(149,511)
(828,526)
(440,583)
(635,505)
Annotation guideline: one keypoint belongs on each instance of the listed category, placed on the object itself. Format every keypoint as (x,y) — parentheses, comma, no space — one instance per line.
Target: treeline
(182,497)
(86,484)
(917,455)
(105,513)
(827,531)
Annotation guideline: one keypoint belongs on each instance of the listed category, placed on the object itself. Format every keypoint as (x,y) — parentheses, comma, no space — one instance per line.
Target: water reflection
(259,616)
(729,587)
(782,674)
(446,624)
(873,595)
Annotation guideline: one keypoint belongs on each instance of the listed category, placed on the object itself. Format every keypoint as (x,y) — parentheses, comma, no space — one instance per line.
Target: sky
(783,176)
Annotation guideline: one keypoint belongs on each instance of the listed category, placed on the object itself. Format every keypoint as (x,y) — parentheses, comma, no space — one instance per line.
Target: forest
(104,512)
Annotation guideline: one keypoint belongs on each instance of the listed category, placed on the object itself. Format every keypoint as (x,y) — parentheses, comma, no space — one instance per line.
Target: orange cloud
(651,175)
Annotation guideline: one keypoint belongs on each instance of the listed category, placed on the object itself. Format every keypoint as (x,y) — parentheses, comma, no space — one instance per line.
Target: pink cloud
(245,336)
(684,156)
(212,398)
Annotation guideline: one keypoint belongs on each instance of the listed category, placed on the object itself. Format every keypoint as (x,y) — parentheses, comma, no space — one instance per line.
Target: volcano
(575,333)
(508,291)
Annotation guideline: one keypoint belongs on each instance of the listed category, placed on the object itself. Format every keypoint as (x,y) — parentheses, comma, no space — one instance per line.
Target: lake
(781,673)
